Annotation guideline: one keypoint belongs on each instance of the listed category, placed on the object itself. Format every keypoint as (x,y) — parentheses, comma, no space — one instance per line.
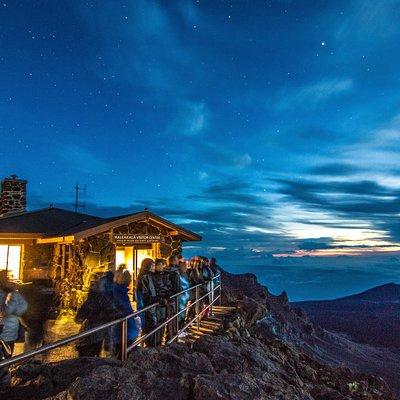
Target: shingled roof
(46,222)
(58,222)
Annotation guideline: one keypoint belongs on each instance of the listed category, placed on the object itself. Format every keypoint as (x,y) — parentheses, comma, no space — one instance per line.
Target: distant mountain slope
(389,292)
(372,316)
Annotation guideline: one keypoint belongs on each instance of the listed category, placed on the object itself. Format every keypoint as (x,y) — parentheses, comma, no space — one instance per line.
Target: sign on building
(136,238)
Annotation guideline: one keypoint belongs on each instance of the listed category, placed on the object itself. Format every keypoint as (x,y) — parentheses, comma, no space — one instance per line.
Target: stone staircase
(210,325)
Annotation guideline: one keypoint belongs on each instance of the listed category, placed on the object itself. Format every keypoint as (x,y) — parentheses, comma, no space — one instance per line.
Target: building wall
(93,256)
(37,261)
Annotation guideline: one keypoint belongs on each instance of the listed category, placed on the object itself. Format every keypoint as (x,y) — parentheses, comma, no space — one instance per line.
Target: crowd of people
(161,284)
(160,290)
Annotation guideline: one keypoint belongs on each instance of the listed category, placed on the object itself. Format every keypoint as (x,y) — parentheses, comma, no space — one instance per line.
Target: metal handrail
(166,322)
(123,320)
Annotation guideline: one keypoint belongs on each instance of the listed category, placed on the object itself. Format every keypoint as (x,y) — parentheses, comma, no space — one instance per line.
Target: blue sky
(271,128)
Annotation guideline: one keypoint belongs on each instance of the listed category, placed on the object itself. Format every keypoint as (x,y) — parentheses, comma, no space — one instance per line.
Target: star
(322,43)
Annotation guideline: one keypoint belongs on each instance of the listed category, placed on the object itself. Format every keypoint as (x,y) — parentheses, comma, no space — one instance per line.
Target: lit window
(10,260)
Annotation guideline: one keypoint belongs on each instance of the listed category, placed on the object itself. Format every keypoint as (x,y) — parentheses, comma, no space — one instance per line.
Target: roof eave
(17,235)
(185,234)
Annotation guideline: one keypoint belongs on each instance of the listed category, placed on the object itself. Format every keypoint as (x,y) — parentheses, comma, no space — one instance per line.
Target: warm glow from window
(125,256)
(10,260)
(141,255)
(119,257)
(133,257)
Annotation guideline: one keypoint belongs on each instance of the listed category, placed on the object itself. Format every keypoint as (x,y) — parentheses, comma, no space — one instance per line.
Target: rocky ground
(263,351)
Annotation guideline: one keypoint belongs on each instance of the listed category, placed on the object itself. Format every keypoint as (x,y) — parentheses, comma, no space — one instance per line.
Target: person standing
(184,297)
(174,271)
(215,268)
(98,309)
(124,307)
(12,307)
(164,290)
(146,295)
(206,278)
(194,279)
(106,287)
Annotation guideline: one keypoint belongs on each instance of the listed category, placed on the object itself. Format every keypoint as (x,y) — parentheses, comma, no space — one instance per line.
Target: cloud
(192,119)
(315,244)
(334,169)
(363,202)
(313,95)
(220,155)
(367,22)
(234,191)
(79,158)
(203,175)
(141,41)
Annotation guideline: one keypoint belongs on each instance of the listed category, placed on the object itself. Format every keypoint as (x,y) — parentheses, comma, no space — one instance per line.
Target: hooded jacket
(12,306)
(175,272)
(163,284)
(146,295)
(123,305)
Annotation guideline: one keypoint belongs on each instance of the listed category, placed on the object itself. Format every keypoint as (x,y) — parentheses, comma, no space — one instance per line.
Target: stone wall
(37,261)
(84,262)
(13,195)
(172,245)
(93,256)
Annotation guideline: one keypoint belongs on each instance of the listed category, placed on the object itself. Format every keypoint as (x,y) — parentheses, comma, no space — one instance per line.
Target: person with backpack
(98,309)
(122,281)
(12,307)
(164,287)
(146,295)
(174,271)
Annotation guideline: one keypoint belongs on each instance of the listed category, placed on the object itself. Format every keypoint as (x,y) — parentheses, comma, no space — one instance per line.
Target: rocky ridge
(258,354)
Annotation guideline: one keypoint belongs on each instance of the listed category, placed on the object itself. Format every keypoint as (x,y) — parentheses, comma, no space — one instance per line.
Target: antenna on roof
(79,206)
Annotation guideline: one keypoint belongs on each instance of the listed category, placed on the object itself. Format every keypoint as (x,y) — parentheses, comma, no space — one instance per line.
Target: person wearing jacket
(206,277)
(194,279)
(174,270)
(146,295)
(106,284)
(12,307)
(184,297)
(215,268)
(98,309)
(123,305)
(164,290)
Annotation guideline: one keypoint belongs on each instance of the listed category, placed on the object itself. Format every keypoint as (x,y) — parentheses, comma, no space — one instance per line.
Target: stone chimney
(13,195)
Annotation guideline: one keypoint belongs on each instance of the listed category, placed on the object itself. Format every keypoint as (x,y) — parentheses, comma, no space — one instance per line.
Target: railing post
(177,315)
(198,307)
(212,296)
(124,334)
(220,290)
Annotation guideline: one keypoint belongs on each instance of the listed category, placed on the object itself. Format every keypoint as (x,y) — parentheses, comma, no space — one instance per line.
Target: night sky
(270,128)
